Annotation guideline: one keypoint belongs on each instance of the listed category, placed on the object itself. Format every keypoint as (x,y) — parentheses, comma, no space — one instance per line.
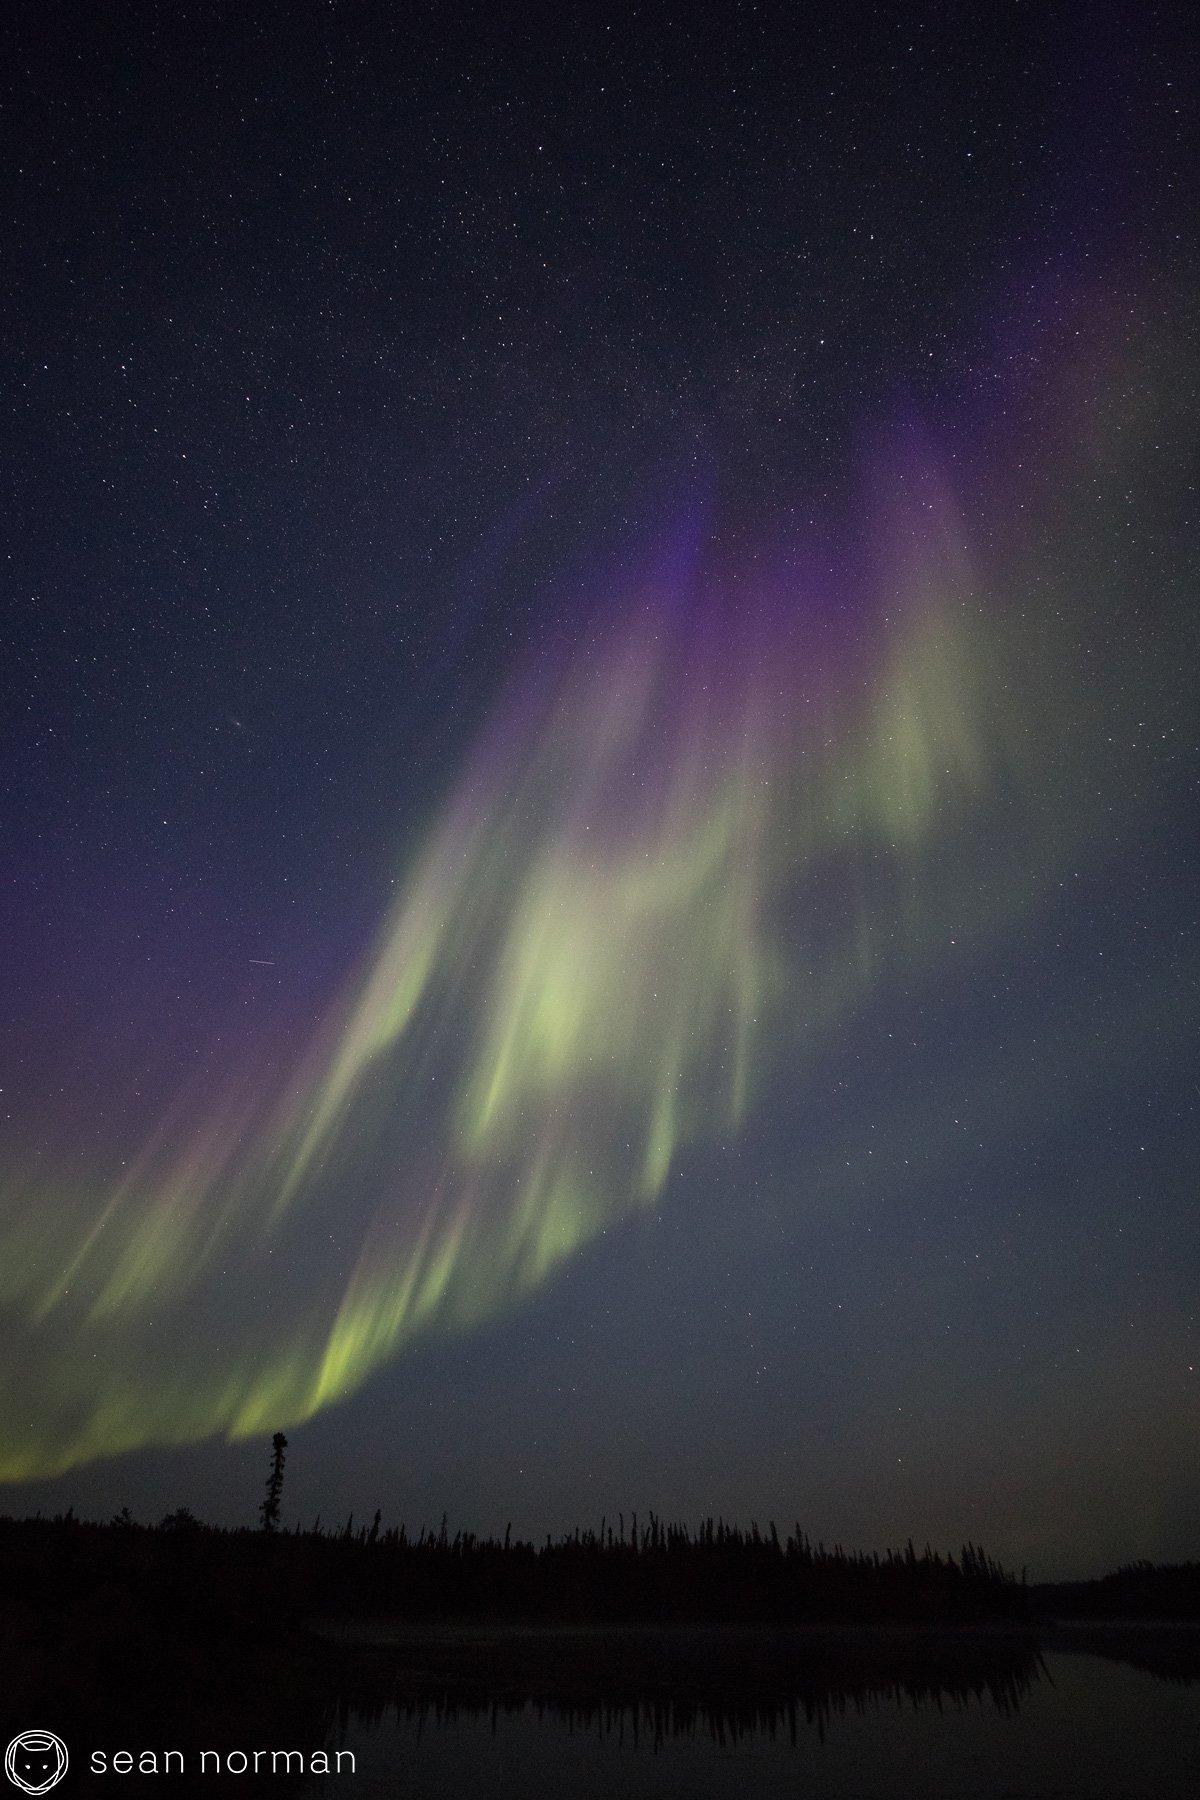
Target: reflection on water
(750,1714)
(655,1684)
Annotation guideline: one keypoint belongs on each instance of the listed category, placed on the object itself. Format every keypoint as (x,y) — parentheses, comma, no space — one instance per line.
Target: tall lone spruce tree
(270,1506)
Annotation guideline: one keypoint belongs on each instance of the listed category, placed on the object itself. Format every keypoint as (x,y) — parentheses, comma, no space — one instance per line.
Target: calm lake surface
(1065,1723)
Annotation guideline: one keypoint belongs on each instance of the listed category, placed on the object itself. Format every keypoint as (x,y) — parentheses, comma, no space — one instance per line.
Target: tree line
(646,1569)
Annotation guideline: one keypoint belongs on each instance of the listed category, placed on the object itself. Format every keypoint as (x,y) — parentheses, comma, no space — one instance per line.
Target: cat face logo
(36,1760)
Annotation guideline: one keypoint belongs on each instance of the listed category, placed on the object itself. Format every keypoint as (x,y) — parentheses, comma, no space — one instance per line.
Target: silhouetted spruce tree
(270,1506)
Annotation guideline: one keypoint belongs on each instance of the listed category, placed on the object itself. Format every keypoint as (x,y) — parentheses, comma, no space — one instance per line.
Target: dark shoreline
(228,1633)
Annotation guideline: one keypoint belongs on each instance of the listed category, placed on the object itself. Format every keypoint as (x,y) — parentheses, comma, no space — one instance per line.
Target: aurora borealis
(481,830)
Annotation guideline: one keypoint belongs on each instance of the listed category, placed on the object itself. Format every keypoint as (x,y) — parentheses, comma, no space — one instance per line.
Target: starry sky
(597,831)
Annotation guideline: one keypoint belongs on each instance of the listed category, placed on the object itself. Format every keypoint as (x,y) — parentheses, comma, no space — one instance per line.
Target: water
(1067,1724)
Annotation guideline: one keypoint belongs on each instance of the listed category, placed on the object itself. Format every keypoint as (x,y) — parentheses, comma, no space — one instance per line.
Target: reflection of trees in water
(182,1635)
(651,1687)
(1169,1652)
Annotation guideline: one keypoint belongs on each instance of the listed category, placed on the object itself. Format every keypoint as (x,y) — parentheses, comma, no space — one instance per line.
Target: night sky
(598,815)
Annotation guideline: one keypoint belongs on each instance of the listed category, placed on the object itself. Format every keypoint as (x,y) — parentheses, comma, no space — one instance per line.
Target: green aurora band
(689,857)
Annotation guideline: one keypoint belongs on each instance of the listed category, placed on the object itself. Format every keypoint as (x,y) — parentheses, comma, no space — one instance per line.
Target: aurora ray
(618,919)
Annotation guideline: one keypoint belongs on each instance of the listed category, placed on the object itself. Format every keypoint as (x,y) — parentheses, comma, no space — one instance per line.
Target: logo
(36,1761)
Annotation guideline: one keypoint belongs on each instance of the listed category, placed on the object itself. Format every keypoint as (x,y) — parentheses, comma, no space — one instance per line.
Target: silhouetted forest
(643,1624)
(1138,1590)
(647,1571)
(106,1627)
